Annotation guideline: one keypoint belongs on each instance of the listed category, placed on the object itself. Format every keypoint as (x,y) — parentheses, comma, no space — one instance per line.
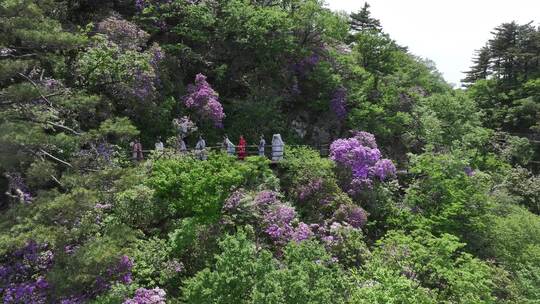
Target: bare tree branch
(63,127)
(56,180)
(55,158)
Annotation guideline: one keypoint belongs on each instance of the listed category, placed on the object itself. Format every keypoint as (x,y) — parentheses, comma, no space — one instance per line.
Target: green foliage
(436,263)
(92,260)
(516,150)
(80,79)
(117,294)
(525,187)
(352,251)
(119,128)
(243,274)
(302,169)
(384,285)
(194,188)
(195,243)
(237,271)
(443,198)
(512,239)
(137,208)
(449,119)
(153,264)
(514,236)
(40,174)
(106,62)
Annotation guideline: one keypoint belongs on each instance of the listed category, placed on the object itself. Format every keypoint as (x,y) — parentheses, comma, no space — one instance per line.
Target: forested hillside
(394,186)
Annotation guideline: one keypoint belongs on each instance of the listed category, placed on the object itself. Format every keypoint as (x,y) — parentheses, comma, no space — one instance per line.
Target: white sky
(445,31)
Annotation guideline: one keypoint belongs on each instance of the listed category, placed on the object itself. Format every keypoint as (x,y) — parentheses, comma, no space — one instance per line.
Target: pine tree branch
(37,88)
(8,103)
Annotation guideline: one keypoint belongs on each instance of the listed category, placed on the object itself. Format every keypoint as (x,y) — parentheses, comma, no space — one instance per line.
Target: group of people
(278,147)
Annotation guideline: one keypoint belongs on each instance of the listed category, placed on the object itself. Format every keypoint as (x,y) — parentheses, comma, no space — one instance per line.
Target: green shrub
(244,274)
(436,263)
(198,188)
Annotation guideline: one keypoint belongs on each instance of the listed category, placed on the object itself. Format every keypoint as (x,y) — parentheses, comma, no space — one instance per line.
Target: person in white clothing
(278,147)
(200,149)
(181,145)
(262,144)
(228,145)
(159,145)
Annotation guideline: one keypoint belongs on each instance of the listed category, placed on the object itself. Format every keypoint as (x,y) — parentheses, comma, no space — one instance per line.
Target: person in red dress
(242,148)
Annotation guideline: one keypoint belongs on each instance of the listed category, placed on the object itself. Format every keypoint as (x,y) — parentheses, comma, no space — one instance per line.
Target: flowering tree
(184,126)
(361,159)
(202,98)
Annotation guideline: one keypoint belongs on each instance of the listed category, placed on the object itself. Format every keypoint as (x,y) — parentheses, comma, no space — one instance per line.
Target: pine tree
(481,66)
(32,109)
(46,115)
(362,20)
(504,50)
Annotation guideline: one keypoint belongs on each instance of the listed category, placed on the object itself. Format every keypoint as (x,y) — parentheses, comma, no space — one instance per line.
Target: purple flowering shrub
(310,182)
(360,162)
(266,212)
(147,296)
(309,190)
(119,60)
(22,274)
(352,215)
(125,34)
(304,66)
(184,126)
(24,277)
(204,100)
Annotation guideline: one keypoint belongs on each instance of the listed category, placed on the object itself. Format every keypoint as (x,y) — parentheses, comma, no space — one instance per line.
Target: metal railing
(251,150)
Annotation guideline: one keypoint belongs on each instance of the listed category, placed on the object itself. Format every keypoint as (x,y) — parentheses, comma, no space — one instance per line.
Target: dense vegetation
(429,194)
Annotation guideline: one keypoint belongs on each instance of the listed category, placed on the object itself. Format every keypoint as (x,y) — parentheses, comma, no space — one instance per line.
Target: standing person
(242,148)
(200,148)
(159,145)
(262,144)
(136,150)
(228,145)
(181,145)
(278,147)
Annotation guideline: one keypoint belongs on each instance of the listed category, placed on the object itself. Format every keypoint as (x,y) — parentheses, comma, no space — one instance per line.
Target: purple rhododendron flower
(356,217)
(362,158)
(204,100)
(365,138)
(234,200)
(311,188)
(384,168)
(302,232)
(266,197)
(278,223)
(352,215)
(148,296)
